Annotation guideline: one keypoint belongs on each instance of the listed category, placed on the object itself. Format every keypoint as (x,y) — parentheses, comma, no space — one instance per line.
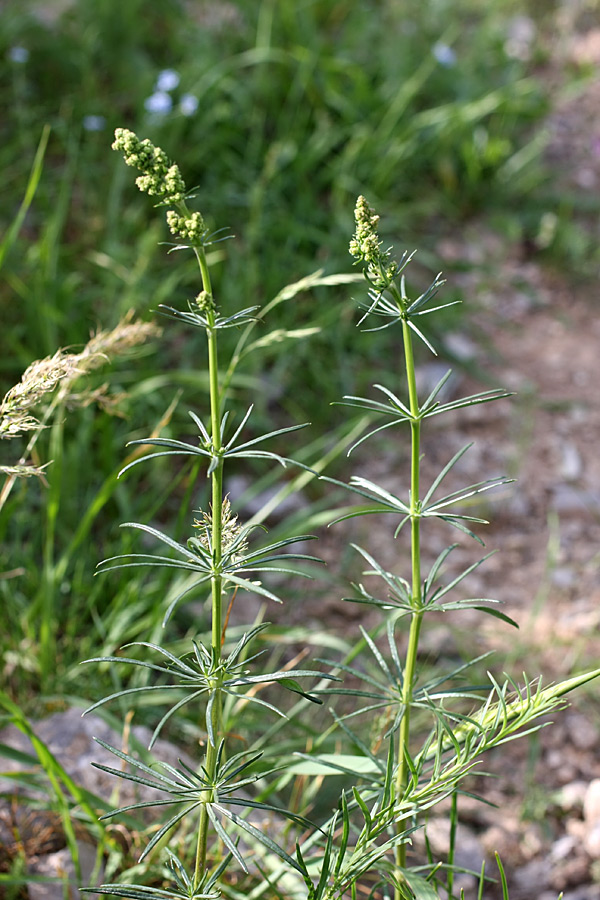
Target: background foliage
(281,113)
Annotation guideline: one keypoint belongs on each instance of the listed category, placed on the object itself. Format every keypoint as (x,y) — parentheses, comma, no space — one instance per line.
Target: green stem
(47,620)
(203,824)
(452,848)
(217,475)
(216,580)
(416,590)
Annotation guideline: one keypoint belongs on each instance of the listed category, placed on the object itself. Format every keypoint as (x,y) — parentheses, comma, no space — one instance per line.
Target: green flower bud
(366,246)
(205,302)
(189,228)
(159,178)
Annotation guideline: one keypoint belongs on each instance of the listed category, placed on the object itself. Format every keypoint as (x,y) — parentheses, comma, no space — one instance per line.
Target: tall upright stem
(216,492)
(416,588)
(216,580)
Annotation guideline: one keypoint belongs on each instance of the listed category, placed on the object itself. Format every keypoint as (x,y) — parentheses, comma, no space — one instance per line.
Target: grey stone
(582,731)
(591,819)
(591,803)
(60,865)
(569,500)
(70,739)
(469,851)
(572,795)
(531,877)
(563,577)
(461,346)
(571,465)
(563,847)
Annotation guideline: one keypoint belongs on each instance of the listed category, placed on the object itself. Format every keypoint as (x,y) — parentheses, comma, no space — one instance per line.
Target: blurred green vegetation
(281,113)
(301,106)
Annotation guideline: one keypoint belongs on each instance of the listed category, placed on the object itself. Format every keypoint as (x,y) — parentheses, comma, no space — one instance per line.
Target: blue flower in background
(94,123)
(159,103)
(444,54)
(18,54)
(188,104)
(167,80)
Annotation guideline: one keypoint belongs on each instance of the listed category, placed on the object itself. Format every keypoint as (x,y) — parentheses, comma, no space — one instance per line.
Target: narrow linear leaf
(226,838)
(166,828)
(259,836)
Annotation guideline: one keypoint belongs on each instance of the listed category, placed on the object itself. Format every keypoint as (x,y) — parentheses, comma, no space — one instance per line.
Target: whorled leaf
(186,788)
(197,674)
(206,446)
(182,885)
(234,567)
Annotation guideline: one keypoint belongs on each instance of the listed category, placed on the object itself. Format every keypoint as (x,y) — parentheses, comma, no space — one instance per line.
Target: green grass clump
(299,106)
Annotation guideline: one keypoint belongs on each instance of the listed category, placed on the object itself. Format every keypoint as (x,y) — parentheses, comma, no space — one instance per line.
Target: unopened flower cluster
(205,302)
(159,178)
(366,246)
(231,530)
(190,228)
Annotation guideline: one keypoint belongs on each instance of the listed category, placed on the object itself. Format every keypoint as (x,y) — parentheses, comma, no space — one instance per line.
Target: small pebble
(571,464)
(591,803)
(563,847)
(563,577)
(582,732)
(572,795)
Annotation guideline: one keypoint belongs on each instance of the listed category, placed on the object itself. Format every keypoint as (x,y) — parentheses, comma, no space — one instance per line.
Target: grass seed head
(41,377)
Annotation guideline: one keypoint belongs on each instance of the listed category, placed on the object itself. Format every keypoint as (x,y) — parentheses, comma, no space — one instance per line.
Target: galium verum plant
(363,844)
(219,558)
(410,769)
